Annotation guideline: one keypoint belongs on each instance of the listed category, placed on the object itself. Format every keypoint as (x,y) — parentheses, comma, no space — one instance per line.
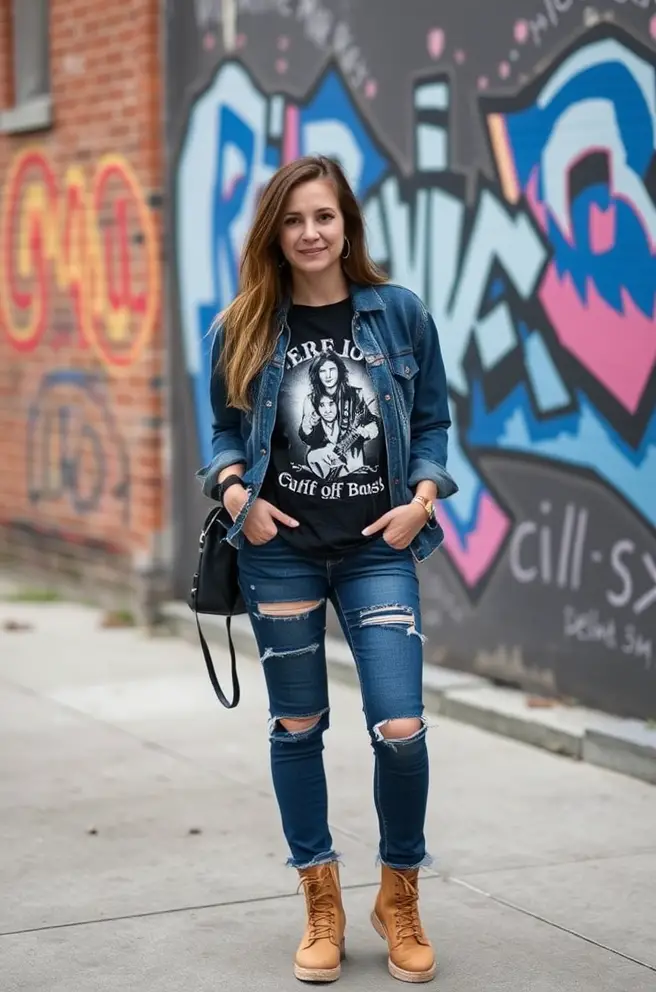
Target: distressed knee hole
(299,726)
(289,610)
(399,729)
(392,615)
(295,728)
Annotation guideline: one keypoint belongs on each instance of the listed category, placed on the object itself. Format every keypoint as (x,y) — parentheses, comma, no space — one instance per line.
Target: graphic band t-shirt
(328,466)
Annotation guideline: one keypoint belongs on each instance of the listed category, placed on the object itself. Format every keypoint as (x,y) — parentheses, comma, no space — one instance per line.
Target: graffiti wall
(508,176)
(80,409)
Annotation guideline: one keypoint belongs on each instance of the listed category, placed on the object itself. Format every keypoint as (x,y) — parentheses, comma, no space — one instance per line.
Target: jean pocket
(385,544)
(387,549)
(267,544)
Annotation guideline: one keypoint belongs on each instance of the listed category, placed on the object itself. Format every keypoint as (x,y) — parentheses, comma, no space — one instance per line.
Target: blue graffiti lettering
(74,451)
(553,266)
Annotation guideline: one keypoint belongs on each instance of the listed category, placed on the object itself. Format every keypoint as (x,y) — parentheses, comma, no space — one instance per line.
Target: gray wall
(505,160)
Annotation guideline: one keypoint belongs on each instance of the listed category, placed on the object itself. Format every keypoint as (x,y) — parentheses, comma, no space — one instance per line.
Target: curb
(621,745)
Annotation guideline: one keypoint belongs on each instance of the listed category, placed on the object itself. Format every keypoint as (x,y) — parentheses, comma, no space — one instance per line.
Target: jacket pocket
(404,370)
(404,366)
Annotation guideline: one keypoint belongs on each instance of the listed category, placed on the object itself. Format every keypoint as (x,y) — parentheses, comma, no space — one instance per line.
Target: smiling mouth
(311,251)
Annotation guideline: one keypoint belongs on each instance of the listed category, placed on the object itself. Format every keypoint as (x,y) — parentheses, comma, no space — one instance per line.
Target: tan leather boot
(396,919)
(319,955)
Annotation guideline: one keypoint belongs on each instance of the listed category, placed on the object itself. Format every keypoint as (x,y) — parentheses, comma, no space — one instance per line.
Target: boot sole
(320,974)
(414,977)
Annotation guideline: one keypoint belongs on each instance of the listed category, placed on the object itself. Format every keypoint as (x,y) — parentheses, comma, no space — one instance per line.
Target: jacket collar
(365,298)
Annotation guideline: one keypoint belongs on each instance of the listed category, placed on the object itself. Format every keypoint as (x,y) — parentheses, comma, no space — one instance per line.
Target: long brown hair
(249,336)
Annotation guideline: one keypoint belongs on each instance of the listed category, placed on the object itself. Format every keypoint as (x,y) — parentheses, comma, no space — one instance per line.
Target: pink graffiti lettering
(624,365)
(291,147)
(474,556)
(602,228)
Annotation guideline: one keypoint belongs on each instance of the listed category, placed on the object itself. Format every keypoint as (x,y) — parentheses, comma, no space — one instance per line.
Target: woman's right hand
(260,523)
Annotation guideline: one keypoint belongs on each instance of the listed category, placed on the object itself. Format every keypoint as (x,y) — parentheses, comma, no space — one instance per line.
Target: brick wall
(81,348)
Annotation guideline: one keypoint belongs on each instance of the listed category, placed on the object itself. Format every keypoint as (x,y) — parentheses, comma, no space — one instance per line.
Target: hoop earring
(348,249)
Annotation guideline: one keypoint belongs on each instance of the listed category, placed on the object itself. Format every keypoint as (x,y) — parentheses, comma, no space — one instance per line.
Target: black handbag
(215,590)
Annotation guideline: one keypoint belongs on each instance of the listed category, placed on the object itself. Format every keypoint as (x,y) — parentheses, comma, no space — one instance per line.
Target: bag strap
(210,667)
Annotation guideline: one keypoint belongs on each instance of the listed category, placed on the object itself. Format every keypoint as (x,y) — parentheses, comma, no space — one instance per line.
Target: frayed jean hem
(319,859)
(426,862)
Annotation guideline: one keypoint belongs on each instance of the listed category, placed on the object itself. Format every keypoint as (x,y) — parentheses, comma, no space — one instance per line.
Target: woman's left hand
(400,526)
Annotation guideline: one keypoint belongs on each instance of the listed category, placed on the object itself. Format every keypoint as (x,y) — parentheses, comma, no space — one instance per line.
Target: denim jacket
(399,340)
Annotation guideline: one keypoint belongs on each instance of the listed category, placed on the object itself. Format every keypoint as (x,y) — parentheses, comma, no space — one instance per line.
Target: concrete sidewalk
(141,848)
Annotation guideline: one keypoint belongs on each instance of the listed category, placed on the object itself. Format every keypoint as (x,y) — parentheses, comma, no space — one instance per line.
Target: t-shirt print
(329,414)
(328,467)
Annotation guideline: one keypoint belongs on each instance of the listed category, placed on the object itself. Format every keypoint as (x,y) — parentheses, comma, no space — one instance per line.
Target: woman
(308,288)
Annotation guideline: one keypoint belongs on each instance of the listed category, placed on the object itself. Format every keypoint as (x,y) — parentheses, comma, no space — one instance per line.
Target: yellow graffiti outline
(151,246)
(34,196)
(503,157)
(83,265)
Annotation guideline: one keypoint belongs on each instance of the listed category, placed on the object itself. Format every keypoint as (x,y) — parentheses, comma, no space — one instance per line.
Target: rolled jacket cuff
(424,470)
(208,475)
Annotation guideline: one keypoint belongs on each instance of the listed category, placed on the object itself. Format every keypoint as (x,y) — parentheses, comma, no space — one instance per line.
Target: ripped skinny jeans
(375,593)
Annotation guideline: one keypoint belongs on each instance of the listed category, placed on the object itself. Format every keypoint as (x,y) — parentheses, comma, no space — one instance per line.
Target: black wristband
(230,480)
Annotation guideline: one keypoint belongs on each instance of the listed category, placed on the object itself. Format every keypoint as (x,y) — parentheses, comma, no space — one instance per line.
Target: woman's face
(327,409)
(312,232)
(329,375)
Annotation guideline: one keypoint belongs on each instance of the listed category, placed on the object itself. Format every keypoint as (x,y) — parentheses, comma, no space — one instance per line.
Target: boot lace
(406,910)
(321,905)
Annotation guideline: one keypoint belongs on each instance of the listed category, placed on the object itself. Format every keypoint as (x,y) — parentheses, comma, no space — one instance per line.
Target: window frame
(31,113)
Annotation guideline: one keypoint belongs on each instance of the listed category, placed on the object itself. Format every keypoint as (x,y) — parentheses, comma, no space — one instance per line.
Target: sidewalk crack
(551,923)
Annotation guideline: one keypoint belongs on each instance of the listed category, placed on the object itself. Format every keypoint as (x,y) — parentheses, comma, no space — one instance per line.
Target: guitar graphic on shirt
(328,461)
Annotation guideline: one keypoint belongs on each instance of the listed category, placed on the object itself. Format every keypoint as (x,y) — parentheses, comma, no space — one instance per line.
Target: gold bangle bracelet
(426,503)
